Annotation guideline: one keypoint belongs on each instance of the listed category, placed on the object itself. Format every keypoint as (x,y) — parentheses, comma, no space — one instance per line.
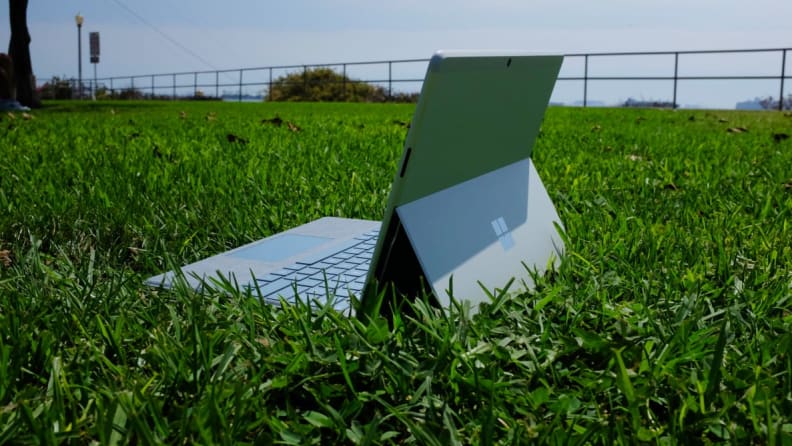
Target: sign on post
(94,40)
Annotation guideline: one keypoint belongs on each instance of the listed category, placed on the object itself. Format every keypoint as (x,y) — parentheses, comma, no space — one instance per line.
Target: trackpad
(279,248)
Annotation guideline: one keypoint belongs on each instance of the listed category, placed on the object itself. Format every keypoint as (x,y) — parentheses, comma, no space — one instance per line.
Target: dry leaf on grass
(276,121)
(237,139)
(5,257)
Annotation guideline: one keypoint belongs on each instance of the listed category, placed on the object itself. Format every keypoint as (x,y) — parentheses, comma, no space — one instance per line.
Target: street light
(79,20)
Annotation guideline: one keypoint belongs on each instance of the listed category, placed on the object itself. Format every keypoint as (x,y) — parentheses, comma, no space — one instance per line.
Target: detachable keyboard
(336,273)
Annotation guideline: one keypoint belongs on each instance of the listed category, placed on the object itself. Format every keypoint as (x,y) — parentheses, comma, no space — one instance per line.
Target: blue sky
(243,33)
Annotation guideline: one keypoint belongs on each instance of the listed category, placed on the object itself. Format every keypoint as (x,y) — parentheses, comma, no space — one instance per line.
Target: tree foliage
(651,103)
(770,103)
(326,85)
(56,88)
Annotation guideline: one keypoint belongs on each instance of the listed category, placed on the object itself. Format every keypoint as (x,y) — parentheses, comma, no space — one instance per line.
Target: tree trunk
(19,50)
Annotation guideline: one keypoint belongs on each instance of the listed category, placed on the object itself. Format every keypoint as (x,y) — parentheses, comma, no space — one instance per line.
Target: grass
(669,320)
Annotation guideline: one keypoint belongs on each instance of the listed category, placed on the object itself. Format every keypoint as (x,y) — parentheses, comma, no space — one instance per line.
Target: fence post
(305,82)
(676,78)
(132,82)
(174,86)
(112,91)
(390,79)
(783,74)
(240,85)
(152,86)
(195,84)
(343,82)
(217,84)
(269,86)
(585,81)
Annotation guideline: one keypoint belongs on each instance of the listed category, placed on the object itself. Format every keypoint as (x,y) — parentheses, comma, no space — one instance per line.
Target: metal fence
(675,69)
(676,78)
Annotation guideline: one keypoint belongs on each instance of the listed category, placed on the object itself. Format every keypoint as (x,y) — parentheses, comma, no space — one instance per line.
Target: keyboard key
(341,256)
(267,279)
(315,292)
(345,265)
(335,270)
(355,261)
(310,282)
(281,272)
(341,305)
(337,273)
(288,295)
(310,260)
(271,289)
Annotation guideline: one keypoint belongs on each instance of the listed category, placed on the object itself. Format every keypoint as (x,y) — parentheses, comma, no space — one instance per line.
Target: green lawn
(668,321)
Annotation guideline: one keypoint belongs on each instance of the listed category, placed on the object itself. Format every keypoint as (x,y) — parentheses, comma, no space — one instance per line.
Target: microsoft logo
(503,233)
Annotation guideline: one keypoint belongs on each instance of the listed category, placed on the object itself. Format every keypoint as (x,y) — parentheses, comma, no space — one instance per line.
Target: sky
(163,36)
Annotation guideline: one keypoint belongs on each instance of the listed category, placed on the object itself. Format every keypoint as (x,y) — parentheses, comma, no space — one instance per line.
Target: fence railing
(191,83)
(676,77)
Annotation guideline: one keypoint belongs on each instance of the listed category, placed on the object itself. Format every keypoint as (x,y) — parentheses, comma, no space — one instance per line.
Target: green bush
(770,103)
(56,88)
(325,85)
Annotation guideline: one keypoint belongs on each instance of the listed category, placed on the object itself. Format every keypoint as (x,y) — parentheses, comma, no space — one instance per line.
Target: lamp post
(79,20)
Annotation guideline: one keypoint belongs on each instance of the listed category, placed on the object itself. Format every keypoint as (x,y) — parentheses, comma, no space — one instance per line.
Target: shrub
(325,85)
(128,93)
(56,88)
(770,103)
(636,103)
